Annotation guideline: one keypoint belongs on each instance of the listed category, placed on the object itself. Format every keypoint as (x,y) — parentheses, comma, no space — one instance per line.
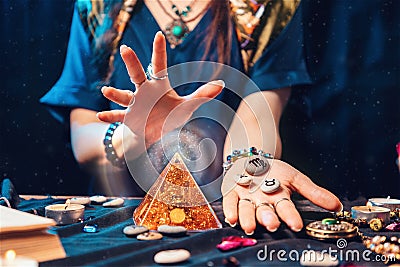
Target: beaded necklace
(177,30)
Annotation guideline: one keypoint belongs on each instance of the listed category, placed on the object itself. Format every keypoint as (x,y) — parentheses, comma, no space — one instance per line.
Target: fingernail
(122,47)
(341,208)
(294,229)
(219,82)
(251,233)
(102,89)
(271,229)
(97,115)
(230,224)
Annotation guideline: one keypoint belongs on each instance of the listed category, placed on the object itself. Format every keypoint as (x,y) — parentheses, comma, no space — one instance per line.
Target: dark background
(353,56)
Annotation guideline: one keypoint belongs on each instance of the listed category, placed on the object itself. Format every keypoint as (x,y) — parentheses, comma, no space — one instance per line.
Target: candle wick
(369,209)
(388,198)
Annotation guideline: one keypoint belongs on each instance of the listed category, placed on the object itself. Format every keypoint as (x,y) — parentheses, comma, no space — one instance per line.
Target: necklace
(177,30)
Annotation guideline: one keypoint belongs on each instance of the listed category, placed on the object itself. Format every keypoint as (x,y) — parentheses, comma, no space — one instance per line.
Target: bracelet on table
(238,154)
(111,154)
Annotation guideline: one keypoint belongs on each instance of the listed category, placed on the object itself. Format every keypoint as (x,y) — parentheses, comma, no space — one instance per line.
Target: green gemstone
(329,221)
(177,31)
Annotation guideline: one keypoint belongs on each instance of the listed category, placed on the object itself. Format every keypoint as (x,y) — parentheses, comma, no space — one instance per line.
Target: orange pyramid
(176,199)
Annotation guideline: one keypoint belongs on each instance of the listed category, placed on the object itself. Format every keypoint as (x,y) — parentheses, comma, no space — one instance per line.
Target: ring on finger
(280,200)
(150,74)
(248,200)
(265,204)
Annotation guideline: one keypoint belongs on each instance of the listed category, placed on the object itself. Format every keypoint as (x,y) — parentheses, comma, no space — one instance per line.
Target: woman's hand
(154,109)
(246,204)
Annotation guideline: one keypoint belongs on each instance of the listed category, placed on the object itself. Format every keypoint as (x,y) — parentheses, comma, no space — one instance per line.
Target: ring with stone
(280,200)
(248,200)
(270,185)
(150,75)
(265,204)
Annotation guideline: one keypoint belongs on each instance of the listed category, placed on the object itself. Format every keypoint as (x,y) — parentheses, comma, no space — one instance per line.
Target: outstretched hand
(154,109)
(246,204)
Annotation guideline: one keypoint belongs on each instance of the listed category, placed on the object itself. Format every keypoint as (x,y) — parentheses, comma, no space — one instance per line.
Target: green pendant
(177,31)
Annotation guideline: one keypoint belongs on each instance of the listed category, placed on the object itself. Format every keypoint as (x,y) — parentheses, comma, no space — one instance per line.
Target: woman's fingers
(267,217)
(247,215)
(159,56)
(229,206)
(133,65)
(204,93)
(111,116)
(288,213)
(121,97)
(316,194)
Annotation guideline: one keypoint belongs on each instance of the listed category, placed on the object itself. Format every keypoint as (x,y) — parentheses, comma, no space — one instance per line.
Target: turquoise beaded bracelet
(238,154)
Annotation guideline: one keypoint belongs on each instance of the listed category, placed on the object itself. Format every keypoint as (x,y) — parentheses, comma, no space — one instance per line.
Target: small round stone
(172,230)
(257,165)
(329,221)
(98,199)
(242,179)
(150,236)
(134,230)
(376,224)
(114,203)
(177,31)
(171,256)
(80,200)
(270,185)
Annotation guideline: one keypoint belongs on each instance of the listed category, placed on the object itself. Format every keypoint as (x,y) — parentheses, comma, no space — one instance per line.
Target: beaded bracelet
(238,154)
(111,155)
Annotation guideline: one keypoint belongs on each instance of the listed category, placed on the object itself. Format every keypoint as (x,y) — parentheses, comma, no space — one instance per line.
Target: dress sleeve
(283,63)
(78,85)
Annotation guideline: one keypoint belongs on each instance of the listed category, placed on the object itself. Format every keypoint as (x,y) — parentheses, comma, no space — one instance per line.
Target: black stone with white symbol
(257,165)
(270,185)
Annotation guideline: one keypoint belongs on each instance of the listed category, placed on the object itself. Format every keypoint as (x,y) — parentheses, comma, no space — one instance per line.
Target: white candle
(12,260)
(370,212)
(390,203)
(65,213)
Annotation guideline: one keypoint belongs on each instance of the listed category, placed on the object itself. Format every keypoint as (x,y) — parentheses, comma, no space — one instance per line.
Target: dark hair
(106,43)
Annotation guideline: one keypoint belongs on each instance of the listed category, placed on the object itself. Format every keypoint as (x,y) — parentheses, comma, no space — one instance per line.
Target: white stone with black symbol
(243,179)
(257,165)
(270,185)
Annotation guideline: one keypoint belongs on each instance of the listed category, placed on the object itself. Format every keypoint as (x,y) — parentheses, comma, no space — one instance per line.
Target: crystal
(176,199)
(177,31)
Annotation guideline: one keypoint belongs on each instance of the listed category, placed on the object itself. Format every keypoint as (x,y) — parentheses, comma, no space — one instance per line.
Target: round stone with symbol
(257,165)
(243,179)
(270,185)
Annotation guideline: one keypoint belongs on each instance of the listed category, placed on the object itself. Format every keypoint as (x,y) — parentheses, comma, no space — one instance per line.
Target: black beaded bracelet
(111,155)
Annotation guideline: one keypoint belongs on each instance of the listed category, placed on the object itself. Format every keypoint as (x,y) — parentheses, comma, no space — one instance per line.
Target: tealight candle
(370,212)
(388,202)
(65,213)
(12,260)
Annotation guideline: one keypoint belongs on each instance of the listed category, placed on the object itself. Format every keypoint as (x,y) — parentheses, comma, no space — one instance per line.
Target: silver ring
(265,204)
(281,199)
(150,74)
(6,201)
(248,200)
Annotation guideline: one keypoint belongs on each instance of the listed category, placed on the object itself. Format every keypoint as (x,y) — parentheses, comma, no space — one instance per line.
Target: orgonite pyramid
(176,199)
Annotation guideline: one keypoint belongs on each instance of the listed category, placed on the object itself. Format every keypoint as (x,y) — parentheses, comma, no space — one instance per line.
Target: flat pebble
(257,165)
(242,179)
(133,230)
(172,230)
(98,199)
(114,203)
(171,256)
(80,200)
(150,236)
(316,258)
(270,185)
